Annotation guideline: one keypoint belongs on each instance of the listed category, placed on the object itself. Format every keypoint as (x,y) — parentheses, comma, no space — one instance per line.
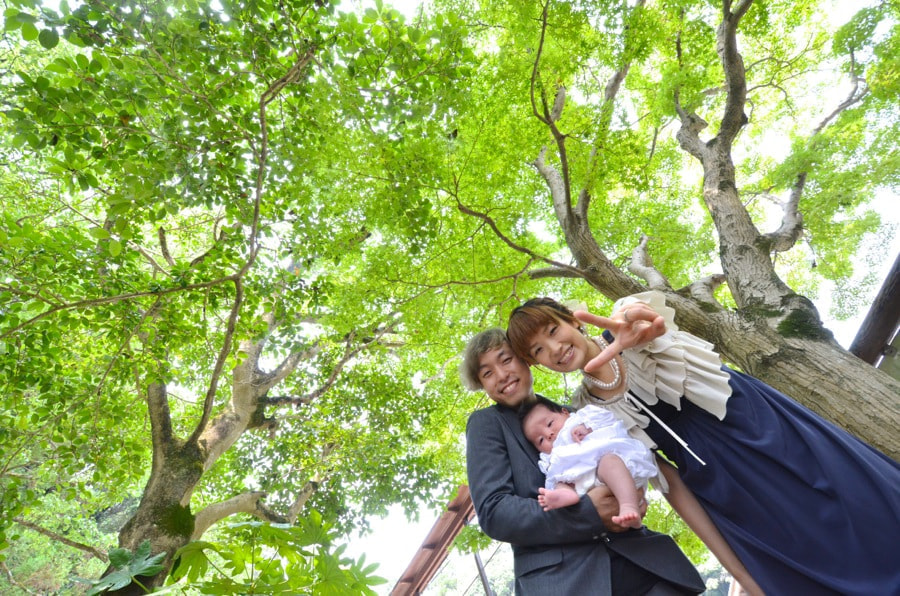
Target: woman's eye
(553,330)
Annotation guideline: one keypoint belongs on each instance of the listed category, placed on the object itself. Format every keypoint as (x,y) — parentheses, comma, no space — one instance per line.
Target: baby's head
(527,320)
(541,422)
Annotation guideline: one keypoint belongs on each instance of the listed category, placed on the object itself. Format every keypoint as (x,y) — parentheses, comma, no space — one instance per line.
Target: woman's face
(560,346)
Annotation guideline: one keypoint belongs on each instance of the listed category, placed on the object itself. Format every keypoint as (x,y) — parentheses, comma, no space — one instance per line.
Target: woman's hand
(636,324)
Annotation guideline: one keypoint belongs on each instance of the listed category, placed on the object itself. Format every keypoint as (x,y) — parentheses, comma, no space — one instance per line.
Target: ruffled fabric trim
(675,364)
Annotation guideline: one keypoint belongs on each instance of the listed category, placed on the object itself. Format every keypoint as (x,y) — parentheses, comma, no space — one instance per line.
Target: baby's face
(541,426)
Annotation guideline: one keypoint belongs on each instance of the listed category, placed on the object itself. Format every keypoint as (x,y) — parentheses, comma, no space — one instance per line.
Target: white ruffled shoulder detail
(675,364)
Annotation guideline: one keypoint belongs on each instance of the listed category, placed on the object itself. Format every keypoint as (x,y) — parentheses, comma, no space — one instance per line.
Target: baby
(584,448)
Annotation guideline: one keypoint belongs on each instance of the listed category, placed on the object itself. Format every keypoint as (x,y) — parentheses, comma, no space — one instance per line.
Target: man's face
(505,378)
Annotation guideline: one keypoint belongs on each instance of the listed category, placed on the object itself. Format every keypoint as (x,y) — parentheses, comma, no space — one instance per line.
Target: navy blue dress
(809,508)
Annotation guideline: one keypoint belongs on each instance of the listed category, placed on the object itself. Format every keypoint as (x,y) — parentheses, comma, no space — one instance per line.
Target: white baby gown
(576,463)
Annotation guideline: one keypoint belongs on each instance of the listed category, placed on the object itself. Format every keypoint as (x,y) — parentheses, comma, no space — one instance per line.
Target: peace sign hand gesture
(636,324)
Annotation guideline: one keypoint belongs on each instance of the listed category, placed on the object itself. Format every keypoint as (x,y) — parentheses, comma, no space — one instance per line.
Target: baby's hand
(580,432)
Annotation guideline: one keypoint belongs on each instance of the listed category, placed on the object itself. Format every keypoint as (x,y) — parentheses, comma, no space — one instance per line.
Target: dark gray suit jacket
(563,551)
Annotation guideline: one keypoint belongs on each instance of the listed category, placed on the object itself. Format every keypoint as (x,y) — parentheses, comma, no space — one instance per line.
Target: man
(572,550)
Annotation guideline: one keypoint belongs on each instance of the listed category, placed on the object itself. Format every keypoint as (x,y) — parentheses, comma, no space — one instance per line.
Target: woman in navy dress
(809,508)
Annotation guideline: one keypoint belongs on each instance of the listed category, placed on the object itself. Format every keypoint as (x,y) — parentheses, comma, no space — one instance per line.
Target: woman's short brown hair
(532,316)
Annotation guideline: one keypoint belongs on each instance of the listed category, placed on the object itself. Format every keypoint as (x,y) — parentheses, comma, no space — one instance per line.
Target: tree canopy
(243,242)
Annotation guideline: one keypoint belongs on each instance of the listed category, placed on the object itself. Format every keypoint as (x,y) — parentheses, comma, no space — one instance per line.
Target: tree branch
(310,487)
(160,420)
(114,299)
(786,236)
(688,134)
(282,400)
(60,538)
(642,265)
(220,360)
(250,502)
(554,272)
(703,289)
(12,580)
(493,225)
(535,72)
(735,76)
(285,368)
(557,185)
(164,246)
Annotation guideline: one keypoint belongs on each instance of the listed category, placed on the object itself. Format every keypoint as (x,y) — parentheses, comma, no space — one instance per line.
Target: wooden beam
(433,552)
(881,323)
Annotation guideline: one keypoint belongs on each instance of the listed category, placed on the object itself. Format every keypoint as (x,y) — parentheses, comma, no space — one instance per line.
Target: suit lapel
(513,426)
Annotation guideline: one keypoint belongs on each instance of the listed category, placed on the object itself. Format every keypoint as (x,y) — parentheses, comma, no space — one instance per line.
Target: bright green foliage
(260,558)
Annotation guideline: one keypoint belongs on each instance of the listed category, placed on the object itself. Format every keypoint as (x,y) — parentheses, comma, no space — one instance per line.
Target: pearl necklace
(592,381)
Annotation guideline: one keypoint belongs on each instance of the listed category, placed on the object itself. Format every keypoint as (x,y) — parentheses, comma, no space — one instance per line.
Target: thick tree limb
(553,272)
(703,289)
(164,246)
(642,265)
(556,184)
(250,502)
(285,400)
(786,236)
(733,66)
(99,554)
(160,419)
(285,368)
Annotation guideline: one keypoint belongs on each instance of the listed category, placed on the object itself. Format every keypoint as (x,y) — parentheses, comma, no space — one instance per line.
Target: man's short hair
(480,344)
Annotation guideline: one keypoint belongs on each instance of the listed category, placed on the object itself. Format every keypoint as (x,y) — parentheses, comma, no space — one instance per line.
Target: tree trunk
(164,516)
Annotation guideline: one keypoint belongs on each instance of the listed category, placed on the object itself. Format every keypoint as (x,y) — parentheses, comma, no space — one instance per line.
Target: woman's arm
(691,511)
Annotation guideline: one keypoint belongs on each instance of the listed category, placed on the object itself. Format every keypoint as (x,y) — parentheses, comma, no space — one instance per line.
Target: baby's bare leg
(561,496)
(612,472)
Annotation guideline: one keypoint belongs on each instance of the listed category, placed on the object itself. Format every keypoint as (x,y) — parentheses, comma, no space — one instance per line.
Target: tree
(179,247)
(636,72)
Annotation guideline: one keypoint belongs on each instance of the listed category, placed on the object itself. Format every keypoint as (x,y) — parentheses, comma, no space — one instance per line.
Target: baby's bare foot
(629,517)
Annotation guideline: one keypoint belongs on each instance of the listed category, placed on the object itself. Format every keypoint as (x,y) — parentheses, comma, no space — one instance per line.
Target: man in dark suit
(573,550)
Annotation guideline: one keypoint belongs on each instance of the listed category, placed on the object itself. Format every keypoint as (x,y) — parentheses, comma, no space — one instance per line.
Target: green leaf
(29,31)
(99,233)
(115,248)
(49,38)
(128,566)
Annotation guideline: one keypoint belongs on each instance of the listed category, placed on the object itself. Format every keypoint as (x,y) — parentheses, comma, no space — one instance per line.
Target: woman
(808,508)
